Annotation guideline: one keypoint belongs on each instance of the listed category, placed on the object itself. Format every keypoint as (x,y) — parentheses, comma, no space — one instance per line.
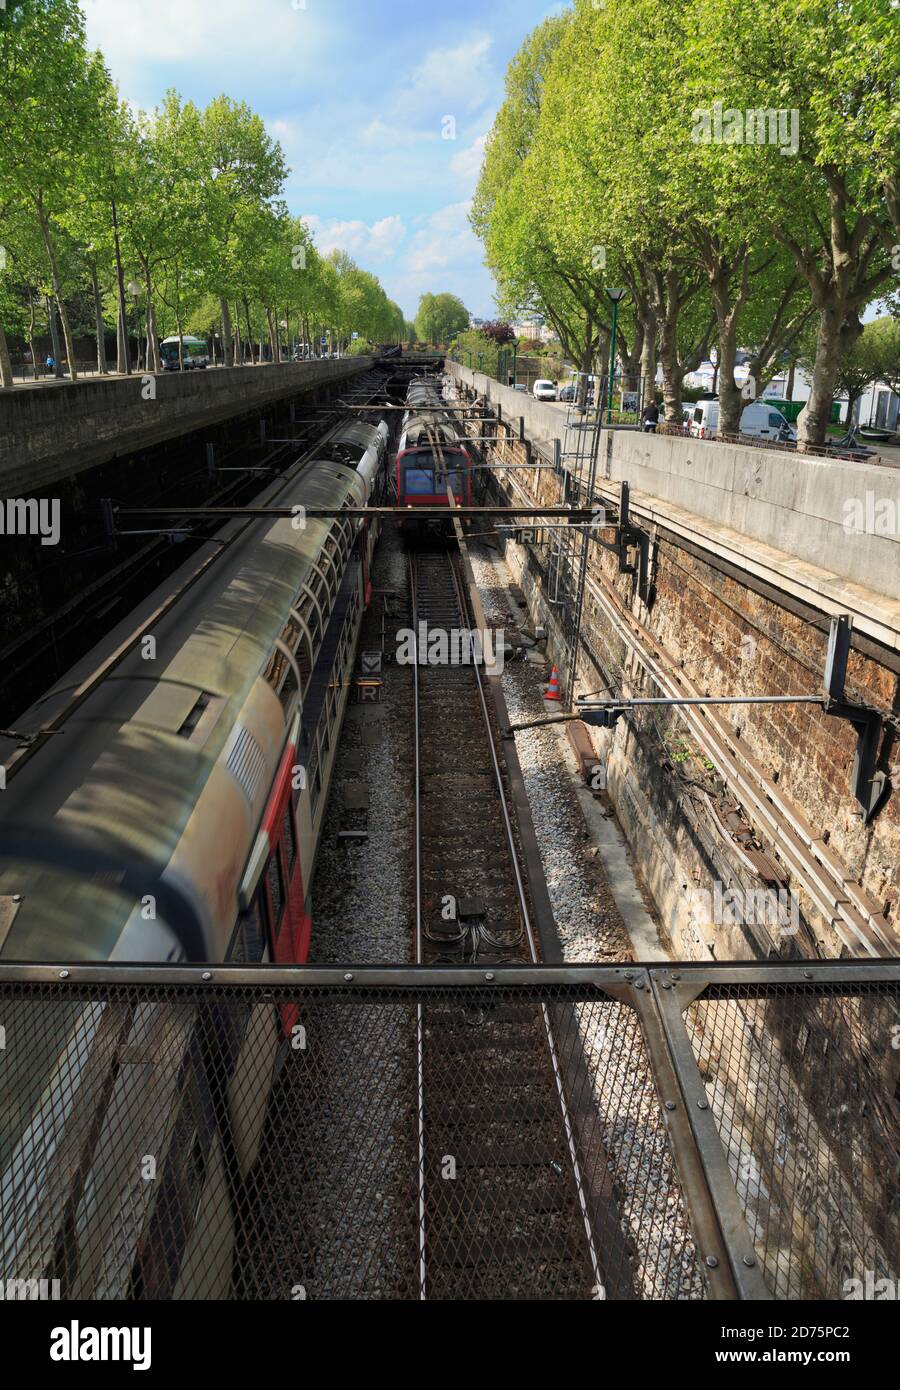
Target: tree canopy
(735,172)
(170,222)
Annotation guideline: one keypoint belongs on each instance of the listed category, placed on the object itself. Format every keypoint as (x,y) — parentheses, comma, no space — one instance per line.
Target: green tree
(242,171)
(439,317)
(47,101)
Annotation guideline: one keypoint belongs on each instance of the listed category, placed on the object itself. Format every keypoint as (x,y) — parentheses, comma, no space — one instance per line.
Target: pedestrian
(51,362)
(650,417)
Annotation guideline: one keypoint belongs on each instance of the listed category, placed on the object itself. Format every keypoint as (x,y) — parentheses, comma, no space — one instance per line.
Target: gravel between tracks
(363,905)
(590,925)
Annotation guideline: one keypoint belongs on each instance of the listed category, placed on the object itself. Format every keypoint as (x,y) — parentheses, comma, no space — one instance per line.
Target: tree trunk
(727,303)
(274,342)
(238,345)
(6,375)
(98,321)
(631,369)
(585,364)
(814,418)
(154,364)
(668,356)
(31,327)
(789,389)
(249,332)
(57,287)
(54,336)
(648,357)
(123,349)
(227,342)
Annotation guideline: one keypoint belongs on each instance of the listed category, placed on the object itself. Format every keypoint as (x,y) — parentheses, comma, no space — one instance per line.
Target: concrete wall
(800,504)
(62,428)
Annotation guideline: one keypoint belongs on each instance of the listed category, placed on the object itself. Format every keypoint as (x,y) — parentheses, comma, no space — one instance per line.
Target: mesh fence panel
(182,1141)
(802,1081)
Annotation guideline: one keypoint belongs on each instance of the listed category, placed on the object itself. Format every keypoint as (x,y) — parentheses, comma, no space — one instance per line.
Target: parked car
(759,420)
(568,392)
(544,390)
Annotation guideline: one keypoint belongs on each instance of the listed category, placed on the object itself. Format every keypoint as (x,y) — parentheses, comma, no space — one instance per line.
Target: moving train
(430,458)
(175,818)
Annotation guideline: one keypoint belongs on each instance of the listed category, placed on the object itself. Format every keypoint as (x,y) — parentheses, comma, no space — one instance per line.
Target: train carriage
(176,817)
(431,458)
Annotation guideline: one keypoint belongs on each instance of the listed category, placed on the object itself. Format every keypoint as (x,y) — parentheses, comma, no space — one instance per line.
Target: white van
(758,420)
(544,391)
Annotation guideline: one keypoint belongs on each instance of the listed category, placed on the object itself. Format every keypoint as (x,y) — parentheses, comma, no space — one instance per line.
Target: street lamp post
(615,297)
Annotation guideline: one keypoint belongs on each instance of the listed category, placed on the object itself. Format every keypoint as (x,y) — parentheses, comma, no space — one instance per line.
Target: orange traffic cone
(552,691)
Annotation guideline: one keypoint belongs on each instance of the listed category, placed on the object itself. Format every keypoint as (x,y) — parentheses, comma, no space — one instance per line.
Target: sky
(381,106)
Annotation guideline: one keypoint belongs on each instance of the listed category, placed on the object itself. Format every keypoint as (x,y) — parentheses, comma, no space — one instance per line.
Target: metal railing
(193,1132)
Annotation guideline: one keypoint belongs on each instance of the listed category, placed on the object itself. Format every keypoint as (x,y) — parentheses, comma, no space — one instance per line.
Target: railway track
(468,906)
(503,1206)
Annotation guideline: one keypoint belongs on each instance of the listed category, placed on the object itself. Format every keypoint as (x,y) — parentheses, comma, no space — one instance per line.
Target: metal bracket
(869,784)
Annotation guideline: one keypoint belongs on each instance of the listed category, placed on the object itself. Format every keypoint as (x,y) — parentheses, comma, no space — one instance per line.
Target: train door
(289,923)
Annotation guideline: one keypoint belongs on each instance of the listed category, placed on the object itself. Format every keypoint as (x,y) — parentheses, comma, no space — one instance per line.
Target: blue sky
(359,94)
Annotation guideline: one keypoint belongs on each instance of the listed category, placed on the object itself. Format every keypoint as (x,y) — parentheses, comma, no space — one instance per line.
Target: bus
(195,353)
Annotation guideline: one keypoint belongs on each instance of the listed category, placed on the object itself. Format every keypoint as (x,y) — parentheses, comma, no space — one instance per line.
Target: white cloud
(445,241)
(459,79)
(378,242)
(231,42)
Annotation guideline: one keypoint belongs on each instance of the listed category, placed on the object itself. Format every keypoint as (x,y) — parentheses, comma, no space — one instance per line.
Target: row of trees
(738,177)
(177,214)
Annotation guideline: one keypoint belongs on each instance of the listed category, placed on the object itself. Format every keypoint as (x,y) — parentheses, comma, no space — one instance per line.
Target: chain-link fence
(405,1133)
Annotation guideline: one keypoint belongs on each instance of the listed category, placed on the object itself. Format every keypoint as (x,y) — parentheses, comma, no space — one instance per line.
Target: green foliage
(440,316)
(176,214)
(597,172)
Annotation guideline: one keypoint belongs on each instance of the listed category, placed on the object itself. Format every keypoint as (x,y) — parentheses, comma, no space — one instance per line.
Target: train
(431,457)
(175,818)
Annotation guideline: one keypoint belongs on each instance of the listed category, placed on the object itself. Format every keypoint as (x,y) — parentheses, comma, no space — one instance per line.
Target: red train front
(431,457)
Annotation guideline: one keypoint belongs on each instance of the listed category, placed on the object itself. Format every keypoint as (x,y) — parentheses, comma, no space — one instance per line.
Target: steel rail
(530,937)
(420,1023)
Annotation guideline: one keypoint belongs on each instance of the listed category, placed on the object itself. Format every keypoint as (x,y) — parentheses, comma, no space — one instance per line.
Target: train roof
(427,416)
(123,771)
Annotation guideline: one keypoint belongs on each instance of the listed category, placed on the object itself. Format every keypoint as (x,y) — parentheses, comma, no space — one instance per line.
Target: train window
(276,891)
(290,634)
(305,660)
(289,689)
(275,669)
(288,836)
(418,481)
